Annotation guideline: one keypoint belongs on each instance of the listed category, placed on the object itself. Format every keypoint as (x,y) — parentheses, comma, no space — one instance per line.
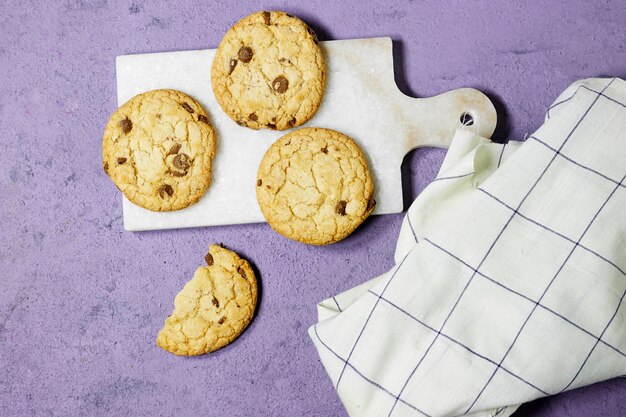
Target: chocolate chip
(121,160)
(271,126)
(245,54)
(242,123)
(221,321)
(266,18)
(292,122)
(126,125)
(174,149)
(269,187)
(340,208)
(165,189)
(178,174)
(232,65)
(313,34)
(274,119)
(106,167)
(209,259)
(182,161)
(288,15)
(325,149)
(215,302)
(280,84)
(259,183)
(286,62)
(371,203)
(241,272)
(202,118)
(187,107)
(253,117)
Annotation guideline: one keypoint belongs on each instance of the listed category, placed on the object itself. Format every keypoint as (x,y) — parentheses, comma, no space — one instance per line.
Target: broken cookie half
(213,308)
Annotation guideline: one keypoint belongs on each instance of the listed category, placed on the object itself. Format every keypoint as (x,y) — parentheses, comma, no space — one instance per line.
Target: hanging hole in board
(466,119)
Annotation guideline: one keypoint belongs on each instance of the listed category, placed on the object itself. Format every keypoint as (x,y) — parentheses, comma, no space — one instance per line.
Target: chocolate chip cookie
(213,308)
(314,186)
(269,71)
(158,148)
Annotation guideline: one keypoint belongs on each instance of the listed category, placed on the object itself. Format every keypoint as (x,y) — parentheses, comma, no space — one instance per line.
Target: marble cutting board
(361,100)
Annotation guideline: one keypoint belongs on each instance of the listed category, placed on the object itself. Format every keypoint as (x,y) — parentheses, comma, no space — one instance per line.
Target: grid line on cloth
(446,336)
(619,304)
(528,193)
(408,218)
(368,319)
(576,92)
(546,228)
(359,373)
(578,123)
(337,304)
(499,284)
(606,177)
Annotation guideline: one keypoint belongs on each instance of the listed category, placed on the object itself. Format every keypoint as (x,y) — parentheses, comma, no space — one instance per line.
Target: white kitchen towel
(509,278)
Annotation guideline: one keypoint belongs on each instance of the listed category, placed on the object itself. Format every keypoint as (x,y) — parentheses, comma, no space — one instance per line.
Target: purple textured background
(81,300)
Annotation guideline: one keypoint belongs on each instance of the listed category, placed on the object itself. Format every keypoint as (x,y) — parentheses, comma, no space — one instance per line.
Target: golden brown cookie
(158,148)
(269,71)
(213,308)
(314,186)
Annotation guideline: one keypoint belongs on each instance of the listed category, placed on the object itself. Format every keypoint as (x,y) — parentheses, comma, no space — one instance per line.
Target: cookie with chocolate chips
(314,186)
(158,149)
(213,308)
(269,71)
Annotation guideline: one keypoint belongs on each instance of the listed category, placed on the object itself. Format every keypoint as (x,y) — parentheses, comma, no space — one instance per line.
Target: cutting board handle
(434,120)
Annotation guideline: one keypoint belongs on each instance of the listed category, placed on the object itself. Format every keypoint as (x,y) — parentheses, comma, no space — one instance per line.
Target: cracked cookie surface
(158,149)
(269,71)
(314,186)
(213,308)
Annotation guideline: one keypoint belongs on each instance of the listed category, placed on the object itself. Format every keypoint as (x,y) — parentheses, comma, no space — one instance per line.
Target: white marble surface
(361,100)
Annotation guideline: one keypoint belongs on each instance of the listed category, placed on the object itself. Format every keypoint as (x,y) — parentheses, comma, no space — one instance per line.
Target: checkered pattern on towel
(509,280)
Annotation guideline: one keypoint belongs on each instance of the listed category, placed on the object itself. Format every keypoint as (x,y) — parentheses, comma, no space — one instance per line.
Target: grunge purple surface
(81,300)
